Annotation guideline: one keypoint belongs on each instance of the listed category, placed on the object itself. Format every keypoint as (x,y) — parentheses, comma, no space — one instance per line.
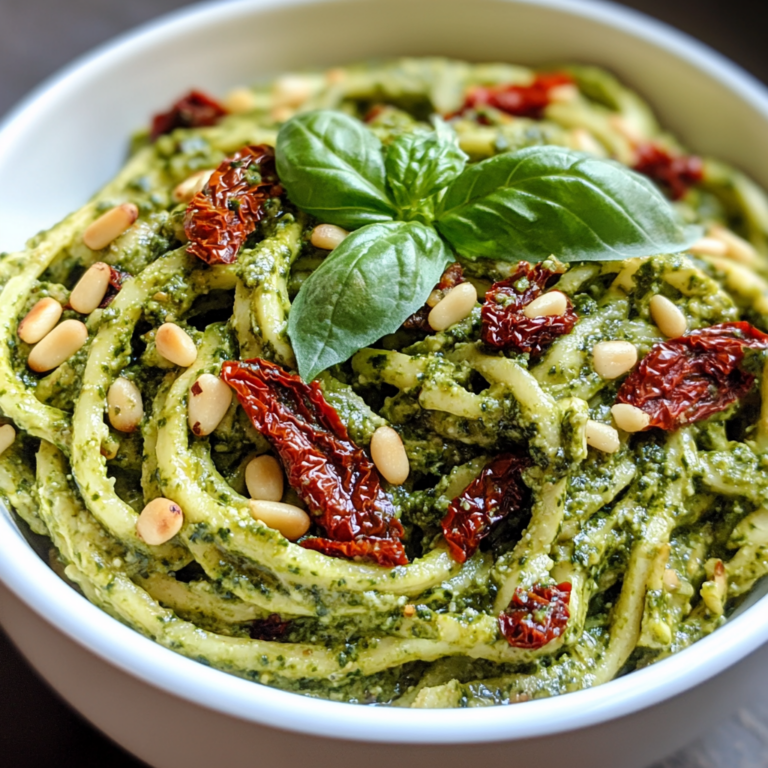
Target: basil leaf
(332,166)
(540,201)
(365,289)
(420,164)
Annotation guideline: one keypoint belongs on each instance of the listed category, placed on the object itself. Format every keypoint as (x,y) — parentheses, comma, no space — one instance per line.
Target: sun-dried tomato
(272,628)
(195,110)
(684,380)
(518,100)
(676,174)
(116,279)
(375,111)
(386,552)
(333,476)
(419,320)
(494,494)
(226,211)
(536,616)
(505,326)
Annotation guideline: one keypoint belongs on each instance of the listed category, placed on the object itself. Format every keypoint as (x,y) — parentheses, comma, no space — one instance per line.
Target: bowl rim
(32,581)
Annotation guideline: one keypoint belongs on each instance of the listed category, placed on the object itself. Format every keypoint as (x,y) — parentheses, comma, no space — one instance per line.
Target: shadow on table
(38,729)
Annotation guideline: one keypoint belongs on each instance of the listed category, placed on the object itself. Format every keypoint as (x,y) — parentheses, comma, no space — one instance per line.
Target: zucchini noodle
(658,539)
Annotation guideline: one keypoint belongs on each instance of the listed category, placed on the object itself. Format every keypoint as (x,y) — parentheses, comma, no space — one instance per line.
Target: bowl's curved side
(169,732)
(212,46)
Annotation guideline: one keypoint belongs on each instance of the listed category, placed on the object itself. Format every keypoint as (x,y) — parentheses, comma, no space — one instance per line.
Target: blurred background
(37,37)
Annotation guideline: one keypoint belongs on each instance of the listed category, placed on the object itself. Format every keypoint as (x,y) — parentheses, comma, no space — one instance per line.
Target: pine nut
(737,248)
(209,400)
(668,318)
(457,304)
(264,478)
(125,407)
(110,226)
(335,76)
(159,521)
(7,436)
(709,246)
(239,100)
(612,359)
(563,93)
(584,141)
(57,346)
(110,447)
(550,303)
(602,437)
(40,320)
(291,521)
(188,188)
(671,580)
(630,418)
(389,456)
(91,288)
(282,114)
(434,298)
(175,345)
(291,91)
(328,236)
(714,591)
(626,128)
(661,631)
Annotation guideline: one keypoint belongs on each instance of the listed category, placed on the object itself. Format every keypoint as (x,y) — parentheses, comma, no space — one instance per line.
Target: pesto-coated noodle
(657,539)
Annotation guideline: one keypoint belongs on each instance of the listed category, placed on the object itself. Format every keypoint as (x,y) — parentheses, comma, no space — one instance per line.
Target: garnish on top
(415,206)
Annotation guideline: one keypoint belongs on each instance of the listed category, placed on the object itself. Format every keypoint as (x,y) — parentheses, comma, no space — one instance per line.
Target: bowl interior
(70,137)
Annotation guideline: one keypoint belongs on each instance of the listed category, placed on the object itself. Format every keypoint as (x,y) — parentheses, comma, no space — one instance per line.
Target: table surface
(39,36)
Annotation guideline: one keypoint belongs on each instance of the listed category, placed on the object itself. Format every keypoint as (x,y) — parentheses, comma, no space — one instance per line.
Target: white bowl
(70,136)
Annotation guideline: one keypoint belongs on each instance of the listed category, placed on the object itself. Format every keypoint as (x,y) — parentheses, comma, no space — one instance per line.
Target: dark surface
(39,730)
(39,36)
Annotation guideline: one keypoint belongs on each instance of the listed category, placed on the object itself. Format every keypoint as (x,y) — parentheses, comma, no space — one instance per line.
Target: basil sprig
(333,167)
(376,278)
(416,204)
(419,165)
(551,200)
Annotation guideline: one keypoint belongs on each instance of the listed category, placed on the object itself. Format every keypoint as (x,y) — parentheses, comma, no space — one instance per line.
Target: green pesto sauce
(637,532)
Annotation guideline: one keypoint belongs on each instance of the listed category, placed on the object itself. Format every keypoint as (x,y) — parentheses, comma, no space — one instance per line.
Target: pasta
(634,542)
